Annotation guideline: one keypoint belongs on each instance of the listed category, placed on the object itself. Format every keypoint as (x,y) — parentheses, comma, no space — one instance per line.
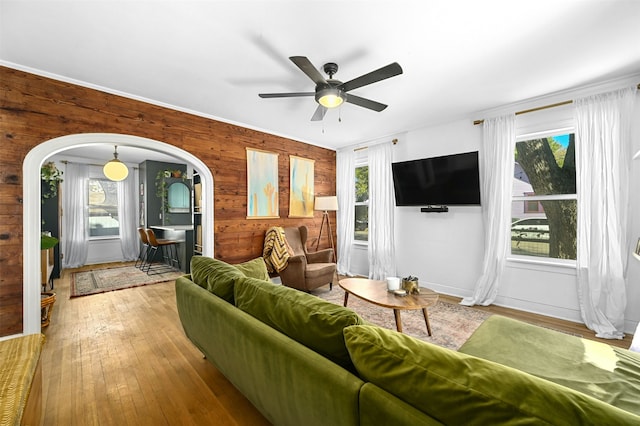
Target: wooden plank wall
(34,109)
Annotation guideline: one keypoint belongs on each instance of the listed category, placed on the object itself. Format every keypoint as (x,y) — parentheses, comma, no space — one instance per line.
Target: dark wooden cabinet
(197,213)
(50,222)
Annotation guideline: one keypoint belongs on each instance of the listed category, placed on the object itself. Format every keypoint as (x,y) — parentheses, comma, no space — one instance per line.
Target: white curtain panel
(75,218)
(128,217)
(603,167)
(496,180)
(345,182)
(382,253)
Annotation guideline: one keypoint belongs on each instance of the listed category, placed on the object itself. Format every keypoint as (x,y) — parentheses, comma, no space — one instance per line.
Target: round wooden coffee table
(376,292)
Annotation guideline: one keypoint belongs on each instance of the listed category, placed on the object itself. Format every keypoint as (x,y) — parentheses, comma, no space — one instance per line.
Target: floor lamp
(326,204)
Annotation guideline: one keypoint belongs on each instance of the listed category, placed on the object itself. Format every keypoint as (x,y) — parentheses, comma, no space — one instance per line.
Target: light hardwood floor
(121,358)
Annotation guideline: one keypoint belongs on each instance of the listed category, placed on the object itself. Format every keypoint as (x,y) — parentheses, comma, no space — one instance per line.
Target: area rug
(451,325)
(103,280)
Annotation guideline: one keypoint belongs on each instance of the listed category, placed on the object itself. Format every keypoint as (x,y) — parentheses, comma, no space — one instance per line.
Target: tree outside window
(103,208)
(362,204)
(545,173)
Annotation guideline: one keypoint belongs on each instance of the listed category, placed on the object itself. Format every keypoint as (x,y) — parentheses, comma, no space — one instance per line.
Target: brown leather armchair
(306,271)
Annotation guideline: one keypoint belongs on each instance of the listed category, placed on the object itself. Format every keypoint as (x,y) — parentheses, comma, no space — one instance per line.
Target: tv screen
(447,180)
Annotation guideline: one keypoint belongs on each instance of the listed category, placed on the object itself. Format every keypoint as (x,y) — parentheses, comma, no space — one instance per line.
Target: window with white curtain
(544,200)
(361,217)
(103,208)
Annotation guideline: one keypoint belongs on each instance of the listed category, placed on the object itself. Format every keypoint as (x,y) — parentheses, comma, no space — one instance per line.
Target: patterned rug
(103,280)
(451,325)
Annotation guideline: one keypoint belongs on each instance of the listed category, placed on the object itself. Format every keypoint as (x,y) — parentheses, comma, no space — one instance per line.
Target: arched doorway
(31,199)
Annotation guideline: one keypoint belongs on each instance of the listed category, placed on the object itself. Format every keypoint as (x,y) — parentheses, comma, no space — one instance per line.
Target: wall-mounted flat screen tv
(446,180)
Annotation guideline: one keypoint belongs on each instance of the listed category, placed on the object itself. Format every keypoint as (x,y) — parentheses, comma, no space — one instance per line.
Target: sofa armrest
(321,256)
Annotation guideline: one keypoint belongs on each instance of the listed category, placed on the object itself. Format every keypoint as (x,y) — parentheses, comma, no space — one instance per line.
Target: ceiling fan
(331,93)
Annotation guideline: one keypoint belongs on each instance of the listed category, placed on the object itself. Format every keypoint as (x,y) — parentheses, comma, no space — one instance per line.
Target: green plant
(50,174)
(47,242)
(162,186)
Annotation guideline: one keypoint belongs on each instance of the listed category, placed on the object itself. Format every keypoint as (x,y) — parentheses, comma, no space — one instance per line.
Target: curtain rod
(394,141)
(88,164)
(557,104)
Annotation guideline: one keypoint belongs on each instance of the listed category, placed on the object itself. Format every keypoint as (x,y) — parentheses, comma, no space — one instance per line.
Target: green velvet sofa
(304,361)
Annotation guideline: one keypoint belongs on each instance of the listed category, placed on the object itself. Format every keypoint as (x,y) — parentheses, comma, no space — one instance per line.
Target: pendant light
(115,169)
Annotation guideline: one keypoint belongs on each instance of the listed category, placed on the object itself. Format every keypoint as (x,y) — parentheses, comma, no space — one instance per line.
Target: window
(544,201)
(361,226)
(532,206)
(103,208)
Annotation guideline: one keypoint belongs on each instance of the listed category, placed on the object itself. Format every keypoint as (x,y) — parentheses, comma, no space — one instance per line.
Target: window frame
(360,162)
(88,207)
(540,260)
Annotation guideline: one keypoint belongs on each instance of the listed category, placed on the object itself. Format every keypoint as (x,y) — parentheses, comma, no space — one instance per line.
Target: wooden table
(376,292)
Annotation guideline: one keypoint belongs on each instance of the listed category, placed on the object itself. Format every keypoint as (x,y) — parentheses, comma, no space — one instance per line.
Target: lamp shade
(330,97)
(329,203)
(115,169)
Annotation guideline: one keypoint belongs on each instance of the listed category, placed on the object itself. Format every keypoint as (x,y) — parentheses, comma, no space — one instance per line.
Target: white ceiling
(214,57)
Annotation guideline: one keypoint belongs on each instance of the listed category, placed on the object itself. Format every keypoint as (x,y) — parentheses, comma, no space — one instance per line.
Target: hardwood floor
(547,322)
(122,358)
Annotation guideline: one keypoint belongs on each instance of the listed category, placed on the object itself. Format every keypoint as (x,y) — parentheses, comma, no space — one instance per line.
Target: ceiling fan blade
(365,103)
(286,95)
(390,70)
(319,114)
(307,67)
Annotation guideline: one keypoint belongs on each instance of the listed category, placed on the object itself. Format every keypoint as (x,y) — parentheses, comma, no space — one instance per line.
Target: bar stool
(168,250)
(144,250)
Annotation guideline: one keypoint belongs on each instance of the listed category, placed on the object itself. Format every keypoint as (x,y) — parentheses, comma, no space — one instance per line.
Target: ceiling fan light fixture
(330,97)
(115,169)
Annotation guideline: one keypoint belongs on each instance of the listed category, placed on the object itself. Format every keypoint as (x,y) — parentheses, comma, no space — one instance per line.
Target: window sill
(361,243)
(542,264)
(105,238)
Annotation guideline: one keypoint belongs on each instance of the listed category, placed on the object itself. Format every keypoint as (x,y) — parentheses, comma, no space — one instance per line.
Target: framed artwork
(262,184)
(301,184)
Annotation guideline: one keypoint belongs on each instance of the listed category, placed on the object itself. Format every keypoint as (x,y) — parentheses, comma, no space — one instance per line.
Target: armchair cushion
(294,240)
(318,270)
(306,271)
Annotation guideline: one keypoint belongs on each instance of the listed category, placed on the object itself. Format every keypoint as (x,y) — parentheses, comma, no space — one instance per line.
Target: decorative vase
(410,285)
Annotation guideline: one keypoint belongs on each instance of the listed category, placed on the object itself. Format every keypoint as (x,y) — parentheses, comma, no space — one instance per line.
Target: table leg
(396,314)
(346,297)
(426,320)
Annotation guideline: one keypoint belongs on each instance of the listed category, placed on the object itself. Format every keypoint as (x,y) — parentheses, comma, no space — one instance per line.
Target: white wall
(445,250)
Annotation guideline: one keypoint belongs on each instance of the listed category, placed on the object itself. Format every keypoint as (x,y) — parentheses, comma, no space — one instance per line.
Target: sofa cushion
(597,369)
(215,275)
(255,268)
(456,388)
(307,319)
